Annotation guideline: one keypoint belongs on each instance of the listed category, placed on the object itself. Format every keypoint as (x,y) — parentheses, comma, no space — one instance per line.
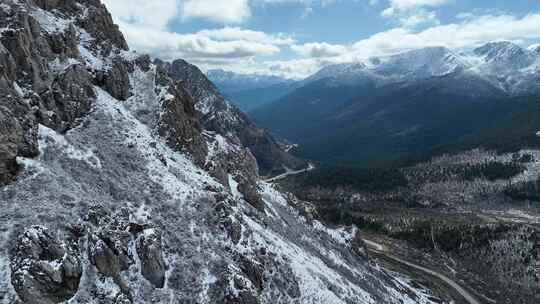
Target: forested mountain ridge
(403,104)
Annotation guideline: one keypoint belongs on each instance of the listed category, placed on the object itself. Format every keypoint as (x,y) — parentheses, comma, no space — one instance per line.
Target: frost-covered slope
(112,196)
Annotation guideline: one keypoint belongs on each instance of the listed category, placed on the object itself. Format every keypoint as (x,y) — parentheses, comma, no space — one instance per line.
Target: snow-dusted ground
(115,160)
(478,156)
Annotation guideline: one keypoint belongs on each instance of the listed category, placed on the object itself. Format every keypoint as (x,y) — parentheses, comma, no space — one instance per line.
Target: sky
(296,38)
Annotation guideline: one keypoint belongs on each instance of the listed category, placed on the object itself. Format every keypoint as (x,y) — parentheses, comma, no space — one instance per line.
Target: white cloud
(153,14)
(413,13)
(419,17)
(456,35)
(402,5)
(203,45)
(146,26)
(319,49)
(230,11)
(466,34)
(236,33)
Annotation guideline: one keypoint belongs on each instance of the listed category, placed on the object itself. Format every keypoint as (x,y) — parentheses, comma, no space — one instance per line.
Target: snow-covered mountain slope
(504,56)
(342,74)
(109,196)
(505,65)
(422,63)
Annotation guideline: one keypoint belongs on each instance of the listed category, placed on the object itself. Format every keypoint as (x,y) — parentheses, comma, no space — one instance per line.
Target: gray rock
(109,245)
(109,241)
(220,116)
(244,297)
(10,135)
(44,270)
(149,249)
(7,64)
(226,218)
(48,4)
(98,21)
(251,194)
(18,130)
(99,24)
(179,126)
(64,44)
(69,98)
(115,80)
(103,257)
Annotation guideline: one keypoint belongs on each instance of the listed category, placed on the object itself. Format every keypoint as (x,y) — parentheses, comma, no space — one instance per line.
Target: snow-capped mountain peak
(421,63)
(228,80)
(343,70)
(505,54)
(415,64)
(505,65)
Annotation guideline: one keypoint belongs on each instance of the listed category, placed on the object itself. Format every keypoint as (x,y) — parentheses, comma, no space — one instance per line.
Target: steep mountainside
(220,116)
(404,104)
(115,192)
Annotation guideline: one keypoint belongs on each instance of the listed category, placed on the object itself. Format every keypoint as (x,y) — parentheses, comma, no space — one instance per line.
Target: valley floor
(465,226)
(436,279)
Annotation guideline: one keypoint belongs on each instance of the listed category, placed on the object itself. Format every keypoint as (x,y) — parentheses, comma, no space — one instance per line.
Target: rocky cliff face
(220,116)
(118,190)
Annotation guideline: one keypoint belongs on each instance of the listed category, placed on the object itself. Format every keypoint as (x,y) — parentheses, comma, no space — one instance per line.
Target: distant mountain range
(250,91)
(390,107)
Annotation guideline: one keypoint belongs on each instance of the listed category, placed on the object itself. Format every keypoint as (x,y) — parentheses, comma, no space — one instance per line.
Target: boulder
(179,126)
(149,249)
(10,135)
(69,97)
(115,80)
(251,194)
(44,270)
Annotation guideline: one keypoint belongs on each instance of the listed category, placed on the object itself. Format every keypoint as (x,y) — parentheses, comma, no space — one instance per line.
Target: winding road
(379,249)
(289,173)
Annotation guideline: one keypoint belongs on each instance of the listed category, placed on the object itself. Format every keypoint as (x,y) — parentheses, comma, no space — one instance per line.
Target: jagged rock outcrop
(51,59)
(10,137)
(44,269)
(115,79)
(220,116)
(149,249)
(178,124)
(251,194)
(249,150)
(68,98)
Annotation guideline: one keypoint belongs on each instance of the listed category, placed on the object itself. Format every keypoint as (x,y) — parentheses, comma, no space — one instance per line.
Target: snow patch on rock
(49,22)
(46,135)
